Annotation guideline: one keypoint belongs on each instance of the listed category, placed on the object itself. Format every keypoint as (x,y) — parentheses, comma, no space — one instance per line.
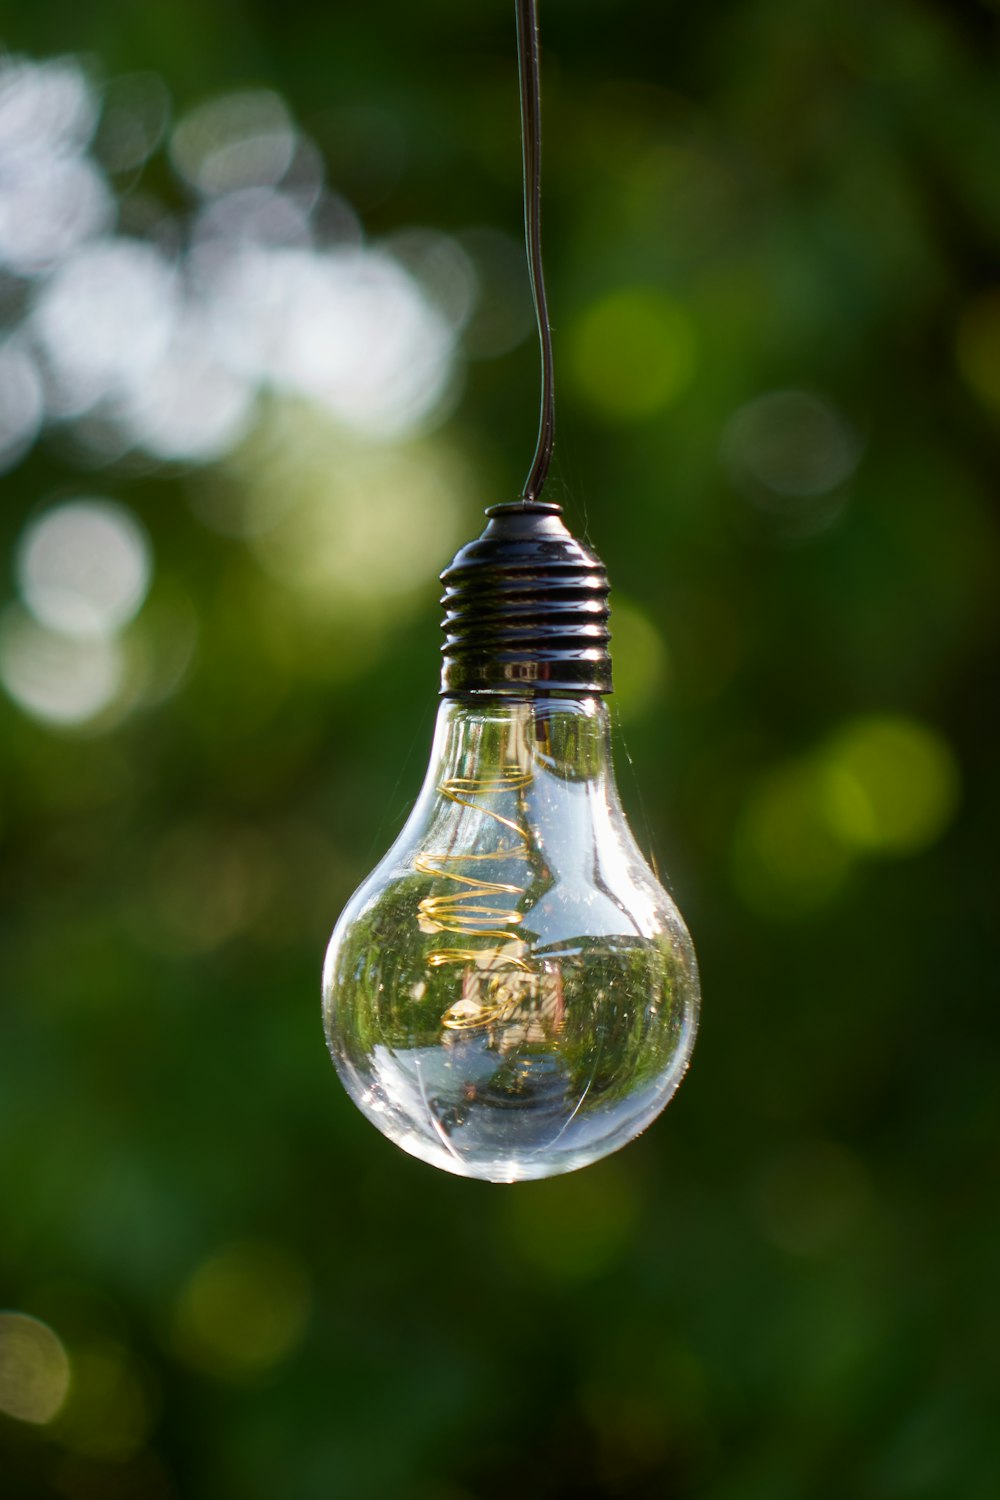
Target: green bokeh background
(787,1289)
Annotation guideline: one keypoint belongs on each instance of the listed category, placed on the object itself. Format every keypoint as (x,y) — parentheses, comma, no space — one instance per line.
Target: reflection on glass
(512,994)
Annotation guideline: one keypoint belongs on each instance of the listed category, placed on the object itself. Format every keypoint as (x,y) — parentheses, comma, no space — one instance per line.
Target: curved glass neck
(567,737)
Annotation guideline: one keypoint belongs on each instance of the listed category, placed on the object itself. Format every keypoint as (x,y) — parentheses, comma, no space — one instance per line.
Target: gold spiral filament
(468,911)
(499,985)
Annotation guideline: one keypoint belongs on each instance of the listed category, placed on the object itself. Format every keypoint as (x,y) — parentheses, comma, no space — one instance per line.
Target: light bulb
(512,994)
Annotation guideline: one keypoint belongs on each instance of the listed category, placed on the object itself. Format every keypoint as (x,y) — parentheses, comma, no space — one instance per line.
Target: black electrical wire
(529,74)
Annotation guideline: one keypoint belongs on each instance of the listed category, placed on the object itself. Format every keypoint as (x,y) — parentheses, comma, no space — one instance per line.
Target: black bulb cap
(526,609)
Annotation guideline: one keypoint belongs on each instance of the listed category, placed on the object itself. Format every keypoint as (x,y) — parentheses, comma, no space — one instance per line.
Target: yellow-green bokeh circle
(891,785)
(633,353)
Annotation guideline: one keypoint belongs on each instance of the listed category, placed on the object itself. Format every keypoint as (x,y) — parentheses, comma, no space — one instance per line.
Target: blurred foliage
(772,232)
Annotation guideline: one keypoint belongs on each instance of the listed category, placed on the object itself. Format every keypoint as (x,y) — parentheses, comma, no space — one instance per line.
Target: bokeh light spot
(977,347)
(788,445)
(353,529)
(161,337)
(103,321)
(242,1312)
(51,196)
(84,568)
(642,660)
(190,406)
(22,403)
(136,108)
(34,1369)
(785,860)
(109,1411)
(891,786)
(48,209)
(250,216)
(634,352)
(164,645)
(348,329)
(238,140)
(59,679)
(502,316)
(46,106)
(442,269)
(379,530)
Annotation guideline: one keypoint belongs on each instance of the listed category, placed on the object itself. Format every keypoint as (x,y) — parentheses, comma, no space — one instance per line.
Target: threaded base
(526,609)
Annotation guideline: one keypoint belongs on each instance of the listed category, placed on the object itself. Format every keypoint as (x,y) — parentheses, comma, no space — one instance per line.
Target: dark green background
(787,1289)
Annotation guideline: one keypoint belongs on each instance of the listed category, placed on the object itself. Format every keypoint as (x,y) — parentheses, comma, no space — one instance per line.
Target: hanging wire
(531,141)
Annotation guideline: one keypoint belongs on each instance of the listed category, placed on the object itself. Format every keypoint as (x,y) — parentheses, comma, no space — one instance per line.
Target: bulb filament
(500,988)
(470,911)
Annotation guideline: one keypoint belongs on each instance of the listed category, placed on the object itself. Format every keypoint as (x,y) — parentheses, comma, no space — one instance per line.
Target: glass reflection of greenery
(512,994)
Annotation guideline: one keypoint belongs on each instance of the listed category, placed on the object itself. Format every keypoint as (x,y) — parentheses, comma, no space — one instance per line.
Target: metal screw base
(526,609)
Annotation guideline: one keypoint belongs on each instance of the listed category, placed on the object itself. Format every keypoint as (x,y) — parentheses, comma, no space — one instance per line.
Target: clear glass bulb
(511,993)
